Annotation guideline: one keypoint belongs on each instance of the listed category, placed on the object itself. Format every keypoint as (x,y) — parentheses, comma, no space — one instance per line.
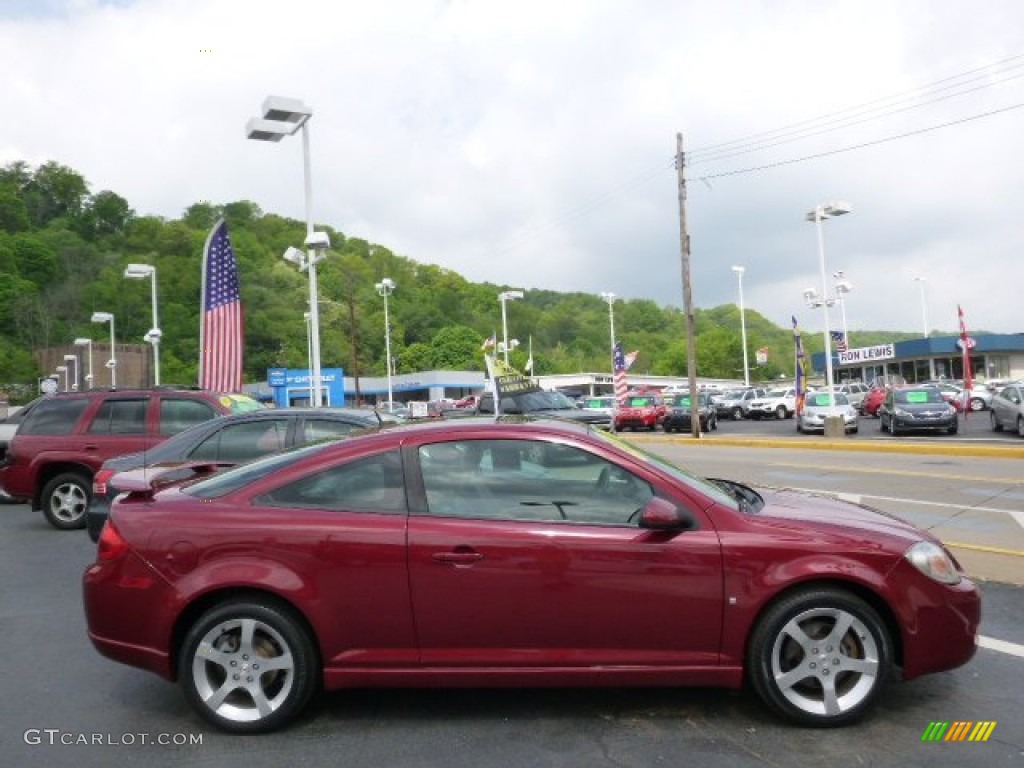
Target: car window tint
(54,417)
(179,413)
(528,480)
(372,484)
(241,442)
(120,417)
(321,429)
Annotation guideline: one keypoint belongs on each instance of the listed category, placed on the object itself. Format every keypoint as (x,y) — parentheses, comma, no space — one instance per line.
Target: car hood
(573,414)
(837,516)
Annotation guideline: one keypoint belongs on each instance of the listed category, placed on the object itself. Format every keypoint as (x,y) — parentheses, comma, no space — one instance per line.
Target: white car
(778,403)
(818,405)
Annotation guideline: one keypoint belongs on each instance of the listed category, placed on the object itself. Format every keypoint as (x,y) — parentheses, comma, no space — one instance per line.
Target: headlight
(901,412)
(932,560)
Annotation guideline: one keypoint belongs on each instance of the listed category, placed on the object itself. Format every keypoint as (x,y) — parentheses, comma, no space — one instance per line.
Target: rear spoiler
(145,481)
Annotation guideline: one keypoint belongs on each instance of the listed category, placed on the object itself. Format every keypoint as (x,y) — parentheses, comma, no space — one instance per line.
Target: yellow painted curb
(866,446)
(986,550)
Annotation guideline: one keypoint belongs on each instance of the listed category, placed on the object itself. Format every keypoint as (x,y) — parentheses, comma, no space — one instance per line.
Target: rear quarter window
(54,417)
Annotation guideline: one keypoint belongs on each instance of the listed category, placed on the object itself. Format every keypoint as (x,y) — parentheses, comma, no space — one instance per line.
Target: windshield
(240,403)
(536,401)
(779,393)
(683,476)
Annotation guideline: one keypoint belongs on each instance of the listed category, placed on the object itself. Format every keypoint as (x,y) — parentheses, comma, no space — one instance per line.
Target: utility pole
(684,246)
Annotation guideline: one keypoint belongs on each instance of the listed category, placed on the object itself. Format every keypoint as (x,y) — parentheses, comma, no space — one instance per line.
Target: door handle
(457,558)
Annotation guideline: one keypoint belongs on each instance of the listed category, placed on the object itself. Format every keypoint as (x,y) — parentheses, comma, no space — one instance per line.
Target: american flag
(220,341)
(965,349)
(622,363)
(839,339)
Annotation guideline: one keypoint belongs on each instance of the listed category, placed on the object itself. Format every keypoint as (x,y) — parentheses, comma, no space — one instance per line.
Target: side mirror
(662,515)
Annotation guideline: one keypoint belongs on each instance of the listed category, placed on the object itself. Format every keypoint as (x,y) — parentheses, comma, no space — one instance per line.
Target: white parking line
(1014,649)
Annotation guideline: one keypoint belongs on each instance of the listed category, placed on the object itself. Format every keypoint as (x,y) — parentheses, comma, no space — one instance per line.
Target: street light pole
(283,117)
(63,369)
(843,287)
(83,342)
(503,297)
(743,327)
(140,272)
(819,214)
(385,288)
(107,317)
(610,298)
(73,360)
(924,304)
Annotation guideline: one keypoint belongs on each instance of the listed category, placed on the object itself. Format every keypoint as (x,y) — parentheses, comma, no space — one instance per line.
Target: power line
(862,145)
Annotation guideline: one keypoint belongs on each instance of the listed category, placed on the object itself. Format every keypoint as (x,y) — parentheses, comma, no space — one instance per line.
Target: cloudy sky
(532,143)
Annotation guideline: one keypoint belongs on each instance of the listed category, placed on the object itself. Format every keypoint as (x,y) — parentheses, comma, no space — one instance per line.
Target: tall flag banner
(619,377)
(630,358)
(965,348)
(220,330)
(800,367)
(839,339)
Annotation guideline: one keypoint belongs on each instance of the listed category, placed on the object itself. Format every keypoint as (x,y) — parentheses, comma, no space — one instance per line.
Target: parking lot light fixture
(141,272)
(504,297)
(84,342)
(818,215)
(385,288)
(610,298)
(107,317)
(743,327)
(72,360)
(843,287)
(924,304)
(63,369)
(283,116)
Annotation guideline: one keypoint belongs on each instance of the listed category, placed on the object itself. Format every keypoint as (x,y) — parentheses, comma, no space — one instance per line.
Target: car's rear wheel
(65,500)
(820,657)
(248,666)
(977,404)
(953,429)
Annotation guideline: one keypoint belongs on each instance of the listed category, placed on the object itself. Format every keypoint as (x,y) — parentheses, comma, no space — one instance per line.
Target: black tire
(781,413)
(713,423)
(214,652)
(953,429)
(845,673)
(65,500)
(977,404)
(737,413)
(1020,426)
(855,430)
(996,426)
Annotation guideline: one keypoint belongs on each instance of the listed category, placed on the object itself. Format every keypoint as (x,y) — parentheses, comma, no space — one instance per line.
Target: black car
(678,417)
(228,441)
(909,409)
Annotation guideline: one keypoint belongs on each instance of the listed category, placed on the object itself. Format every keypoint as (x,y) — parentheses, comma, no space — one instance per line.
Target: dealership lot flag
(800,367)
(839,339)
(220,332)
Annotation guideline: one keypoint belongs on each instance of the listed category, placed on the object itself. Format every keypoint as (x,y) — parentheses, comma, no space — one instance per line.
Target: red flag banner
(220,334)
(965,348)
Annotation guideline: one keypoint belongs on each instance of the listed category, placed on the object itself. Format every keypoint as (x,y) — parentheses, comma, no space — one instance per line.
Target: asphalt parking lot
(67,706)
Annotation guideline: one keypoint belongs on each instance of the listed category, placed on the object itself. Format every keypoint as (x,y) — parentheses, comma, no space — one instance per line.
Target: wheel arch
(50,470)
(857,589)
(204,602)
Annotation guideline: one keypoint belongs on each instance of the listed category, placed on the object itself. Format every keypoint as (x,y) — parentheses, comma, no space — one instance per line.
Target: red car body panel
(415,599)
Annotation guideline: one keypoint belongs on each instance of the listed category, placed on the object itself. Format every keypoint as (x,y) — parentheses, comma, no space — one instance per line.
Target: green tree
(13,214)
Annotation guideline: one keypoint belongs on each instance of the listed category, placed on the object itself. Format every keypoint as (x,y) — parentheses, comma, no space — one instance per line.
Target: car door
(524,552)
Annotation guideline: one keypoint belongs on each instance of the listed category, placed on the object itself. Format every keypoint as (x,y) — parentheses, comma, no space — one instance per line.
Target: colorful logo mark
(959,730)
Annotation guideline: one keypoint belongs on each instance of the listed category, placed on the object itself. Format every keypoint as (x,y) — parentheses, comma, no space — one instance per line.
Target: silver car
(1007,409)
(818,405)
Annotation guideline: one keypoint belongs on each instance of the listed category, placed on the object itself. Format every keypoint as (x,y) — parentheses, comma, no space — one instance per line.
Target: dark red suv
(51,459)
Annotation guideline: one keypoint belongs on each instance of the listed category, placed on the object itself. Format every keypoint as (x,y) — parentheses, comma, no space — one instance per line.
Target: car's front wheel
(820,657)
(977,404)
(248,666)
(1020,426)
(65,500)
(996,426)
(781,413)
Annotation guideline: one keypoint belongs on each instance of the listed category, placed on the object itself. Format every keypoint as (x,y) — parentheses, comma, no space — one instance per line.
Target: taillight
(111,544)
(99,481)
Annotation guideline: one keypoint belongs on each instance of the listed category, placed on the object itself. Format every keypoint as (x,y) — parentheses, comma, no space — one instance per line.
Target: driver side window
(529,480)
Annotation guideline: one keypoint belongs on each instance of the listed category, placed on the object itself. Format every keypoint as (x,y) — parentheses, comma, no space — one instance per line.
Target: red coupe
(485,552)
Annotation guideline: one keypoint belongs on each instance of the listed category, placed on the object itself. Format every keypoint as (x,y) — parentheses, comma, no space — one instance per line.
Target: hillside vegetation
(63,250)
